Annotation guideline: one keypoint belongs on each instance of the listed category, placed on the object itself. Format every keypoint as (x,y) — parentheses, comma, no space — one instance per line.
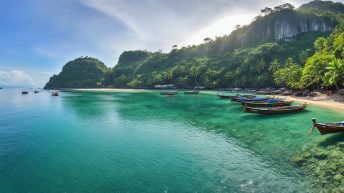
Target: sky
(37,37)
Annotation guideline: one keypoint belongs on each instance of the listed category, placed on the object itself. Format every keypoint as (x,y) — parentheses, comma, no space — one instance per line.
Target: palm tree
(195,72)
(335,73)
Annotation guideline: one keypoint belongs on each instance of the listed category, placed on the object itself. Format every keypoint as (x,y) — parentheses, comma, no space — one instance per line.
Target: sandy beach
(321,100)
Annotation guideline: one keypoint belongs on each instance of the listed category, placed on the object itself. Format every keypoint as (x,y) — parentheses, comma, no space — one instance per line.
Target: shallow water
(144,142)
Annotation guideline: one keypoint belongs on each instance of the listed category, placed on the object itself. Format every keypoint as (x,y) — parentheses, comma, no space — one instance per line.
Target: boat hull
(264,104)
(277,110)
(168,93)
(191,92)
(329,128)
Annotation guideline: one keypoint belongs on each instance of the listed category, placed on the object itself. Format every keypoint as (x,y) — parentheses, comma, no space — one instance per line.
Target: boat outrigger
(326,128)
(275,110)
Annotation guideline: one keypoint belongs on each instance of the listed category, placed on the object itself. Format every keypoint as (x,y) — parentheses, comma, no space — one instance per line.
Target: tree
(174,46)
(334,74)
(286,6)
(207,40)
(315,69)
(319,44)
(289,76)
(266,10)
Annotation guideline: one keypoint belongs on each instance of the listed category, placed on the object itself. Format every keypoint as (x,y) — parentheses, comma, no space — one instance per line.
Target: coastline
(322,101)
(109,90)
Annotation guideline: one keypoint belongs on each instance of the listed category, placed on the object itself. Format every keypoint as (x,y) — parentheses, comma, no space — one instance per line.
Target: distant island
(282,47)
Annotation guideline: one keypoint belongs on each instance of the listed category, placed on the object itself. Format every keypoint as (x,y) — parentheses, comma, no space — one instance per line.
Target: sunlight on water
(144,142)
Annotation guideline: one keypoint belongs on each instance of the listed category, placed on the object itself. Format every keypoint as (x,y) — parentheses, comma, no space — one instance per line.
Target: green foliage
(335,73)
(289,75)
(79,73)
(322,7)
(248,57)
(326,66)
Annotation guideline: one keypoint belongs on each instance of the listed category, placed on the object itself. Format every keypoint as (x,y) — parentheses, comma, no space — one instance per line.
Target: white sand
(322,100)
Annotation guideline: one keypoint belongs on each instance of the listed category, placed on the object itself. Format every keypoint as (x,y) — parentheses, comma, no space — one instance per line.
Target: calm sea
(144,142)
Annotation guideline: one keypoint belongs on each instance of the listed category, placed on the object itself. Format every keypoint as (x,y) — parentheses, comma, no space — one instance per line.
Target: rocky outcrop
(287,29)
(284,25)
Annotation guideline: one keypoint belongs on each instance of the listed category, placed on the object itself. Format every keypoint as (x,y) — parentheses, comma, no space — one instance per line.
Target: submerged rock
(324,165)
(338,177)
(298,159)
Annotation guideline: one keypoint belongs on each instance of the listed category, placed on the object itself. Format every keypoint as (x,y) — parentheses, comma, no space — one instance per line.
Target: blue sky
(38,37)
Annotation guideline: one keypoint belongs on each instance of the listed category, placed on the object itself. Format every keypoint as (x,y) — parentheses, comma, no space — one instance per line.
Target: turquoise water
(144,142)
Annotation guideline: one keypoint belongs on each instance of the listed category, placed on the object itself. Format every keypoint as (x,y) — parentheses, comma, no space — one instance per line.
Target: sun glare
(221,27)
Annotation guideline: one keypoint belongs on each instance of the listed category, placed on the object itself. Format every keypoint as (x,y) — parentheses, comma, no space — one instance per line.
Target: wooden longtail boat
(168,93)
(267,103)
(224,96)
(237,97)
(251,99)
(326,128)
(24,92)
(191,92)
(275,110)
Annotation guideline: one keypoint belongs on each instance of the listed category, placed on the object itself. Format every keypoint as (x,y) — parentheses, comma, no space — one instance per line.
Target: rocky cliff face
(284,25)
(286,29)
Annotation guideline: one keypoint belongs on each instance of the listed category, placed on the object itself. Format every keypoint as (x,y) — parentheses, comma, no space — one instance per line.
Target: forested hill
(251,56)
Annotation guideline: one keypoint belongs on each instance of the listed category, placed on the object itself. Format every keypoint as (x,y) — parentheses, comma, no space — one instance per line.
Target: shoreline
(320,100)
(108,89)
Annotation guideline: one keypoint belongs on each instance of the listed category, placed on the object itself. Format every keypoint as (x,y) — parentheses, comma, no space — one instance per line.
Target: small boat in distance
(24,92)
(36,91)
(191,92)
(241,97)
(275,110)
(326,128)
(169,93)
(222,95)
(55,93)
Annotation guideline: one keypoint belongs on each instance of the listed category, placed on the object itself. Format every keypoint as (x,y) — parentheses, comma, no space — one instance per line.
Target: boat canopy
(244,99)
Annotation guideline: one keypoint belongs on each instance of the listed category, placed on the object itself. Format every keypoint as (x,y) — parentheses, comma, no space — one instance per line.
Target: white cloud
(15,78)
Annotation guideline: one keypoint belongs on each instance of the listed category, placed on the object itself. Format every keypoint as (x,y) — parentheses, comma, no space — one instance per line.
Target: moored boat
(327,128)
(191,92)
(234,97)
(55,93)
(275,110)
(169,93)
(24,92)
(251,99)
(268,103)
(36,91)
(225,96)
